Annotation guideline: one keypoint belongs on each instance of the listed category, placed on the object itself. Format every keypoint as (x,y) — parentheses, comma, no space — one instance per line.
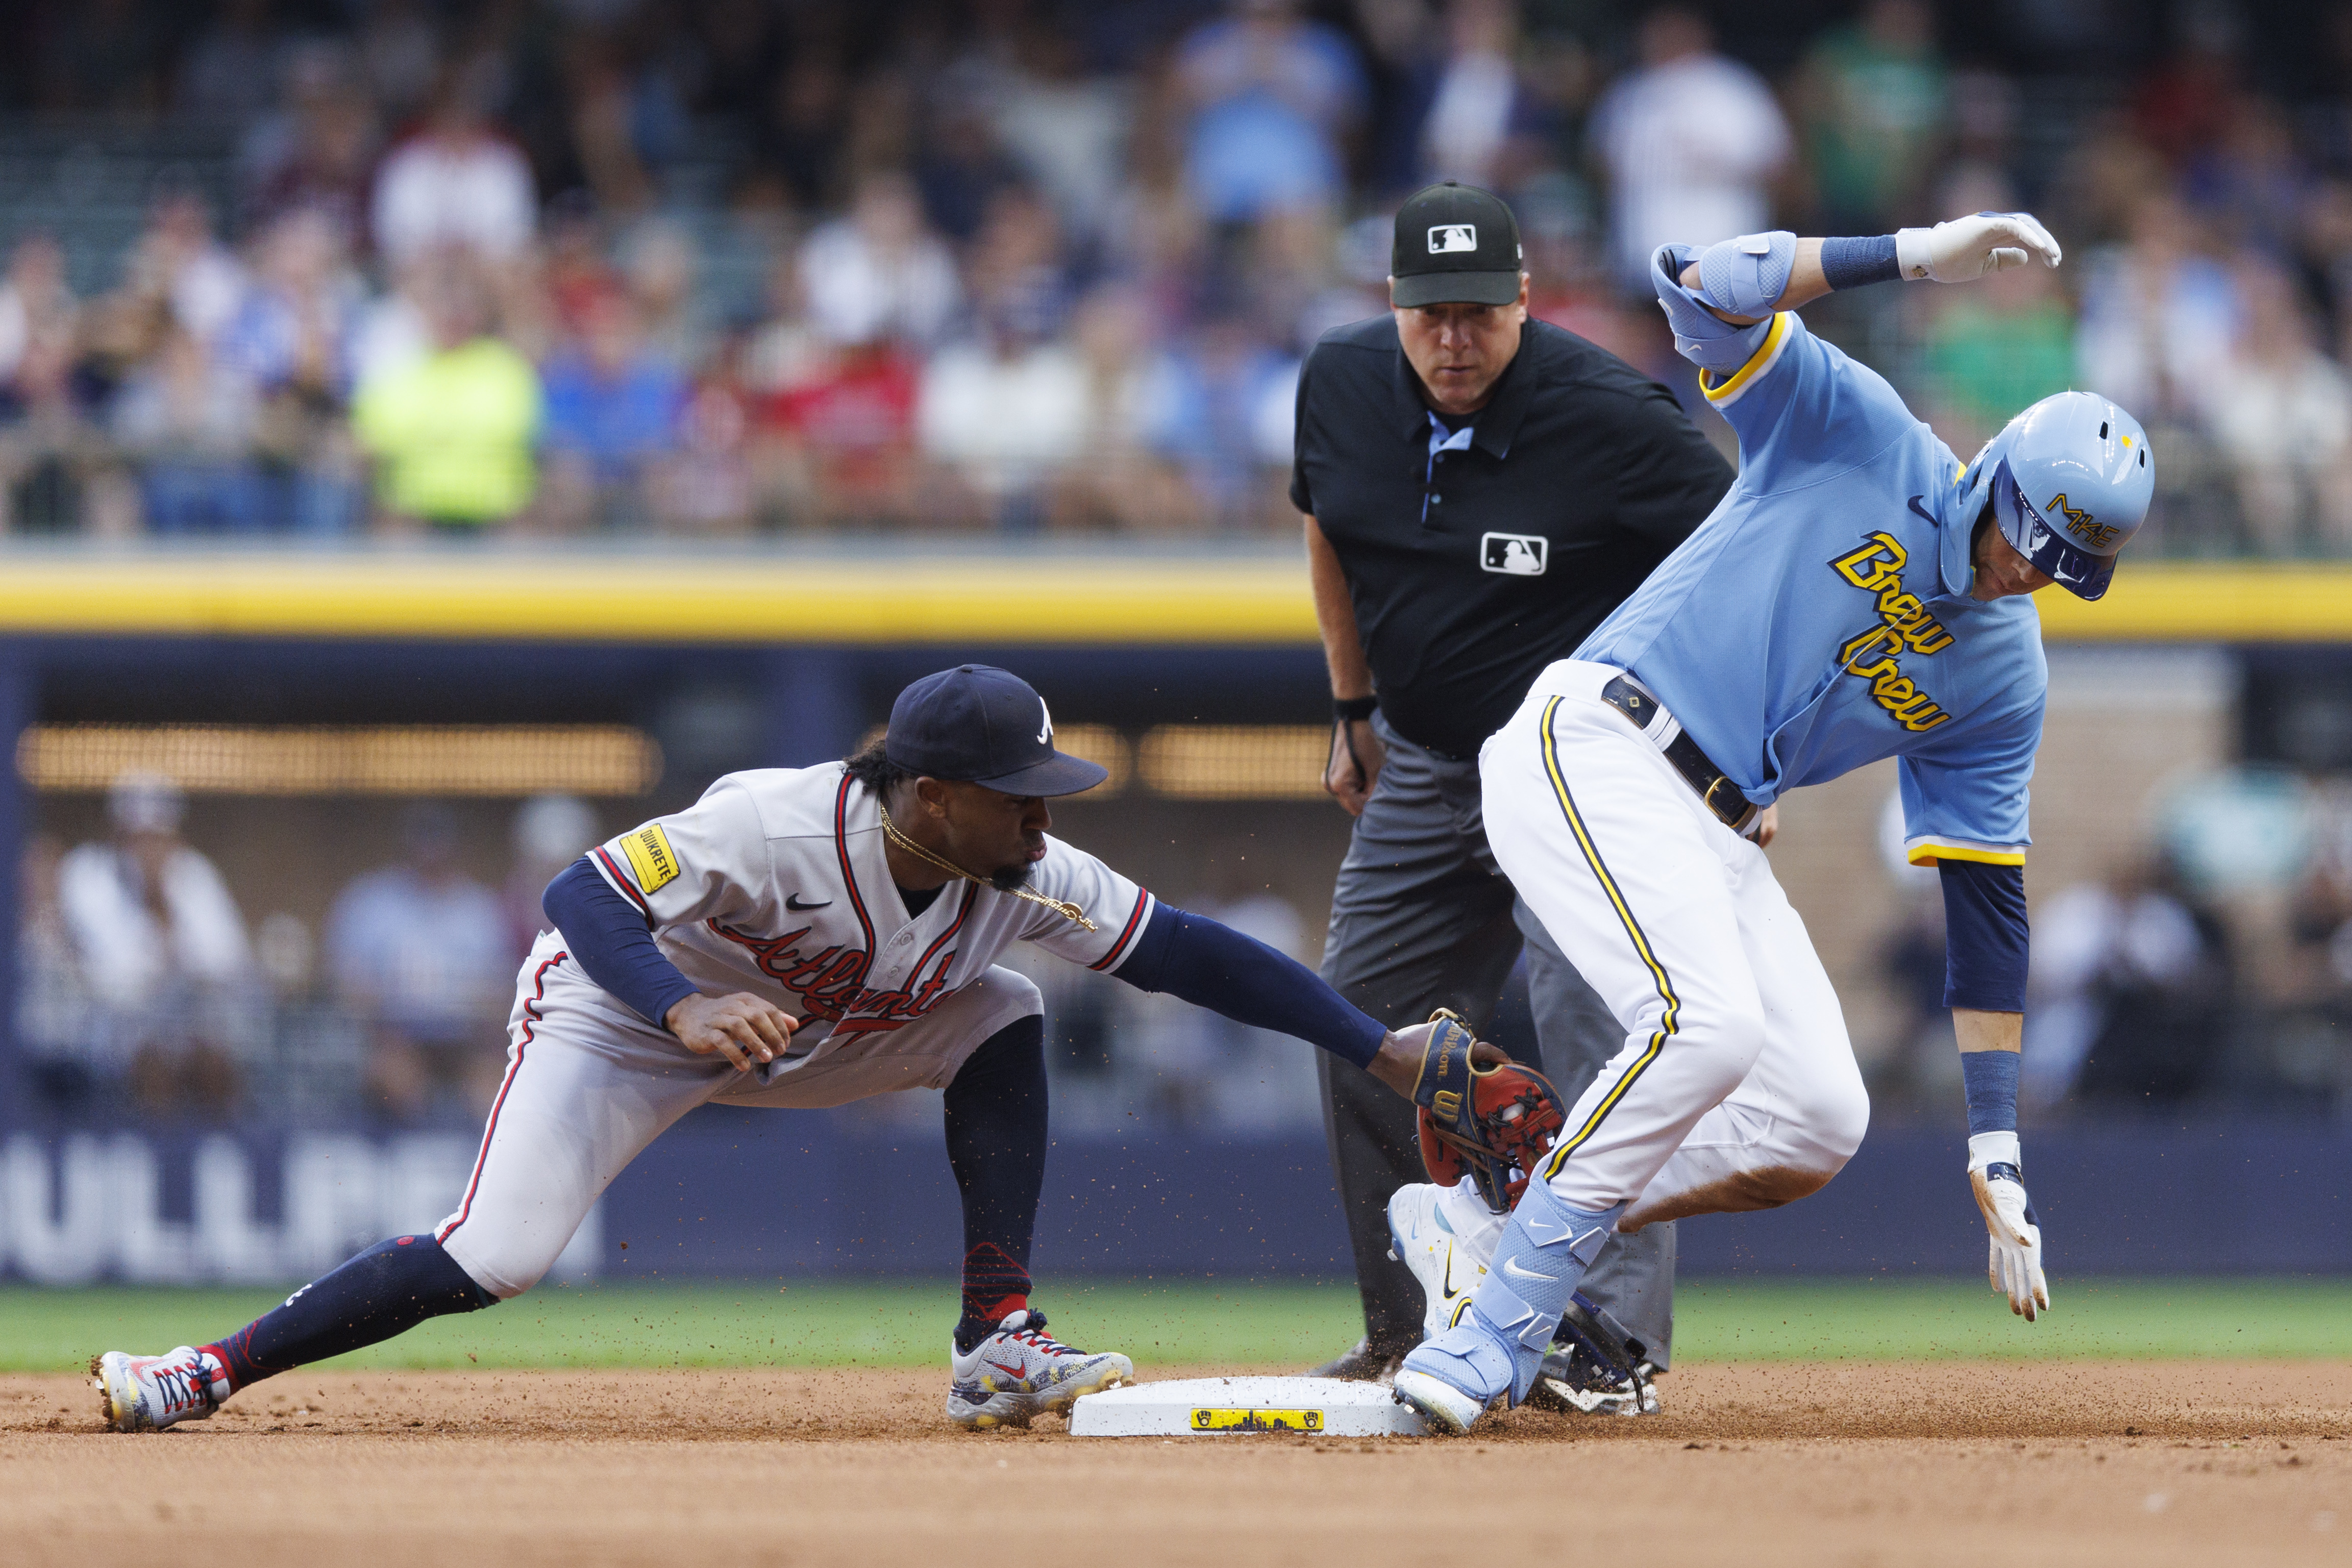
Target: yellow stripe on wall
(2192,602)
(926,598)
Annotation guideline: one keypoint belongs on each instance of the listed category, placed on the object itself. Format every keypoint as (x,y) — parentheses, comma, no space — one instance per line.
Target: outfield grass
(905,1324)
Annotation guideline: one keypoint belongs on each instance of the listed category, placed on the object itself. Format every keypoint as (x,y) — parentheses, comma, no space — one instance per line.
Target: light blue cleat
(1453,1379)
(1496,1348)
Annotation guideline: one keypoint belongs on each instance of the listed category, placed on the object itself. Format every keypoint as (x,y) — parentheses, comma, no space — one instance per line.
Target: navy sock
(385,1291)
(996,1145)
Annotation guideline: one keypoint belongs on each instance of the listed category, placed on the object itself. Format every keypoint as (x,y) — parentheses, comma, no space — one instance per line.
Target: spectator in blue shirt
(613,413)
(419,953)
(1273,98)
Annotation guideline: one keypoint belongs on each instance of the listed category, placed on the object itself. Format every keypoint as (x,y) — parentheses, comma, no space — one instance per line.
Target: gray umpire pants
(1421,919)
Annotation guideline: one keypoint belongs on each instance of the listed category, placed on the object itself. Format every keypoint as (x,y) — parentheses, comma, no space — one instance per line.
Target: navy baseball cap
(1454,244)
(980,724)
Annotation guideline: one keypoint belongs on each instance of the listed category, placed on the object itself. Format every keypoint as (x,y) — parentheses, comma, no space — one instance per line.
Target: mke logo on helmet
(2098,536)
(1904,624)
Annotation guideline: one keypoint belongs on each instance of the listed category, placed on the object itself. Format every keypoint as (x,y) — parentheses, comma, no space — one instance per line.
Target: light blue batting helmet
(2069,480)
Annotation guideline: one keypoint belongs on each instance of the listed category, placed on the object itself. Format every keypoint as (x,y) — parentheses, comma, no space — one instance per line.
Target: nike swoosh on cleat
(1445,1293)
(1008,1371)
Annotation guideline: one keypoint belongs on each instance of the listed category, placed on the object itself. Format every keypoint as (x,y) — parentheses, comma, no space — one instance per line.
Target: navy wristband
(1991,1080)
(1856,263)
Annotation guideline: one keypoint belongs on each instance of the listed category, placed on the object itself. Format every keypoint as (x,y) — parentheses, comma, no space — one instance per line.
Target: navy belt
(1715,790)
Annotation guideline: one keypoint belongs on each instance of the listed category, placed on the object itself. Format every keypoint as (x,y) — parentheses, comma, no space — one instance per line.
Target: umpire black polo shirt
(1473,569)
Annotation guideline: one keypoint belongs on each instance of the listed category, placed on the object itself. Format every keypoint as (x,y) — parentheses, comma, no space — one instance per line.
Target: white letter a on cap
(1045,733)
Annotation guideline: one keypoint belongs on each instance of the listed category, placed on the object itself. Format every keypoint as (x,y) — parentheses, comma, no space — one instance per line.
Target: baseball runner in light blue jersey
(1859,594)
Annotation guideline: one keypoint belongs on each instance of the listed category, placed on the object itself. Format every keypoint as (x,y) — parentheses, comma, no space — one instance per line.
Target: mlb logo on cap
(1454,244)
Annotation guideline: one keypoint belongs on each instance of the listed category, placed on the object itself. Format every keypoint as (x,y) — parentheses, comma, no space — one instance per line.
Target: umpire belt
(1716,791)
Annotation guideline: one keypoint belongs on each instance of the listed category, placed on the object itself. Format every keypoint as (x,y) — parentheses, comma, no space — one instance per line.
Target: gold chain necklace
(1066,911)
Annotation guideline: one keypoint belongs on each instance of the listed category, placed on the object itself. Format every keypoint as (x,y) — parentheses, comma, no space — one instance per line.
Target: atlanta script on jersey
(774,883)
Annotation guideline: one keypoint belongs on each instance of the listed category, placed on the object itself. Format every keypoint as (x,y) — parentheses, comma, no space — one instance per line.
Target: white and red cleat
(149,1393)
(1019,1372)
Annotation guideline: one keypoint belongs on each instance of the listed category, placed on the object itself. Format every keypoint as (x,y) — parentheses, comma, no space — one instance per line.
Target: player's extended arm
(1984,984)
(1213,966)
(1356,751)
(609,938)
(1743,281)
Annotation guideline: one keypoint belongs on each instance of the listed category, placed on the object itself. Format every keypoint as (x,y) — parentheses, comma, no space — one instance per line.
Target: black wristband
(1349,709)
(1852,263)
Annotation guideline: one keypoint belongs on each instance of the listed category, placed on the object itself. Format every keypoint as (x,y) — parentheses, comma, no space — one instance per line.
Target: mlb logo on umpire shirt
(1445,237)
(1515,555)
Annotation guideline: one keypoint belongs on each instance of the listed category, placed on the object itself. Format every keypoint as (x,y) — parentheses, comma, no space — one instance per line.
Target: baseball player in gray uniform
(1860,594)
(802,938)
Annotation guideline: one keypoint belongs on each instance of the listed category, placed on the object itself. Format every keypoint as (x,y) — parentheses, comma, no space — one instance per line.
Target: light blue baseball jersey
(1819,620)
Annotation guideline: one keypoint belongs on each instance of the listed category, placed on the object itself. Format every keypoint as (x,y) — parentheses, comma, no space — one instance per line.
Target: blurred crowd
(140,982)
(2214,965)
(143,986)
(750,266)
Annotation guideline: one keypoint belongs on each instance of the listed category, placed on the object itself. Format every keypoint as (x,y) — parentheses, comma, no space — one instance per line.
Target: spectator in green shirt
(1871,98)
(2008,344)
(451,433)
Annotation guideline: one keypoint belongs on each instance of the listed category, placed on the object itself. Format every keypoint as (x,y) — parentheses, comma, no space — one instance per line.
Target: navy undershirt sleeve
(609,937)
(1217,968)
(1985,936)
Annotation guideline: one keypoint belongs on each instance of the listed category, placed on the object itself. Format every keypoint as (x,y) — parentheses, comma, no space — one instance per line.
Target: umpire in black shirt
(1481,490)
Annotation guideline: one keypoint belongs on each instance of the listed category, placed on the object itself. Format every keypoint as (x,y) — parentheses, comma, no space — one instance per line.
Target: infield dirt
(2150,1464)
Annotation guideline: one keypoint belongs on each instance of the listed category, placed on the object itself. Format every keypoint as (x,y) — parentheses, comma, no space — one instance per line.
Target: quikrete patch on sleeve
(650,857)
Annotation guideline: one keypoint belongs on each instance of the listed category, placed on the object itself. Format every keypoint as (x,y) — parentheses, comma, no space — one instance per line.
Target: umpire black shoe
(1362,1364)
(1595,1366)
(1573,1379)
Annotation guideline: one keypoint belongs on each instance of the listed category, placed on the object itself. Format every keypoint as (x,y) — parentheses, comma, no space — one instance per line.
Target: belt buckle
(1734,821)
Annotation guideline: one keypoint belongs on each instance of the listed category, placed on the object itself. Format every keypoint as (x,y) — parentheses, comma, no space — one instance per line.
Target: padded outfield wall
(724,661)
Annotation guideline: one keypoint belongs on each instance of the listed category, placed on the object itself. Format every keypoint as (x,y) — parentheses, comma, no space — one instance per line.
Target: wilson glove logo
(1447,237)
(1515,555)
(1904,625)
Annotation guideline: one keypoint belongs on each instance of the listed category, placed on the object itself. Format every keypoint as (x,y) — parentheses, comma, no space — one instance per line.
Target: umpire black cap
(1455,244)
(980,724)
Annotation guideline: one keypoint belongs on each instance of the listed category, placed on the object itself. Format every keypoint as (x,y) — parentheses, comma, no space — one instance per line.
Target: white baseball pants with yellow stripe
(1736,1088)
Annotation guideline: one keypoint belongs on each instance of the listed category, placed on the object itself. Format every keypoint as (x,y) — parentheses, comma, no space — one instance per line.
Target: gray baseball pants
(1421,919)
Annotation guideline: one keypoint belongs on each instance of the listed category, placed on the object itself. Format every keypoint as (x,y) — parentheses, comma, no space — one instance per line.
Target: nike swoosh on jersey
(1920,510)
(792,901)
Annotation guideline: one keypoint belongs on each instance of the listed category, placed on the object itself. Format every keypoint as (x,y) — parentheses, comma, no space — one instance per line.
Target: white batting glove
(2015,1268)
(1964,249)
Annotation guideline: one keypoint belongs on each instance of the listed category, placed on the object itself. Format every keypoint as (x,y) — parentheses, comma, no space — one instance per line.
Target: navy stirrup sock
(385,1291)
(996,1145)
